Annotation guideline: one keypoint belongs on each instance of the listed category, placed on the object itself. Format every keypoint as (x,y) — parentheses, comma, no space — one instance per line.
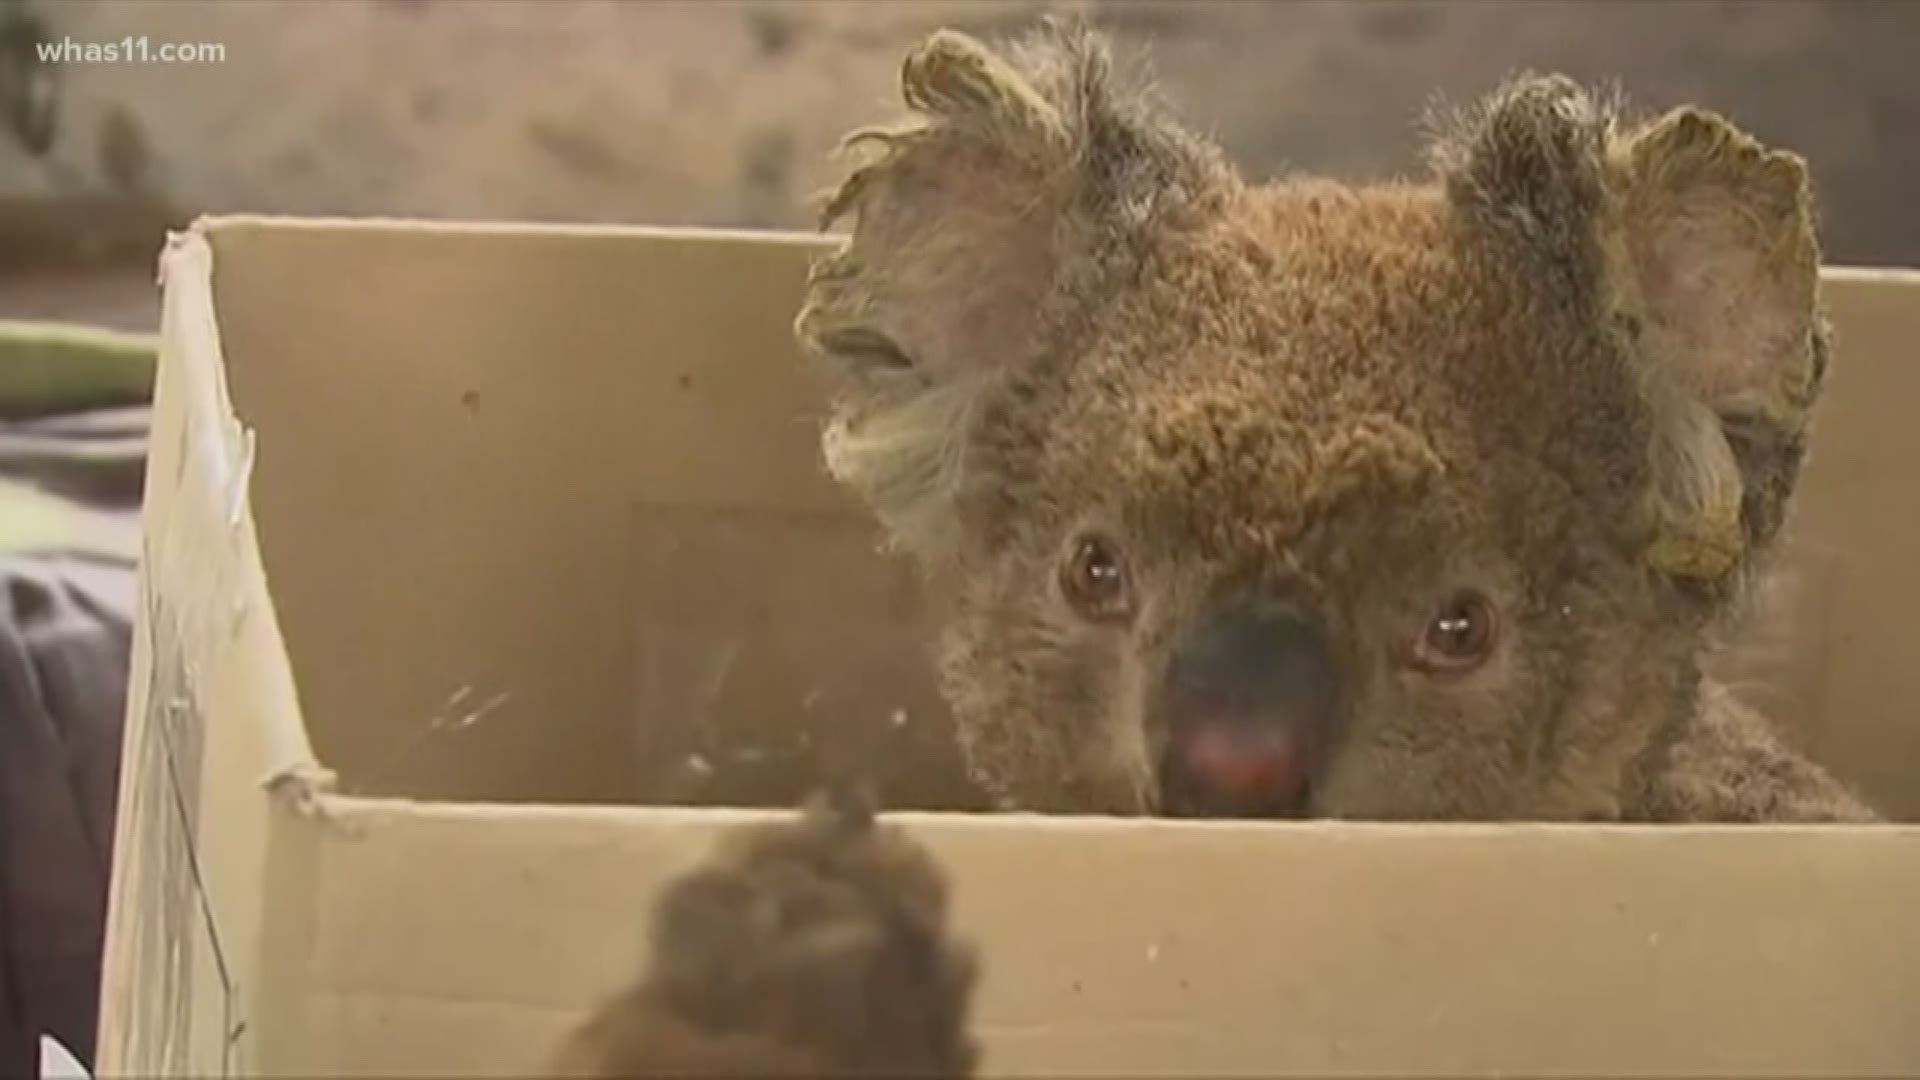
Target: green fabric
(37,522)
(73,412)
(48,368)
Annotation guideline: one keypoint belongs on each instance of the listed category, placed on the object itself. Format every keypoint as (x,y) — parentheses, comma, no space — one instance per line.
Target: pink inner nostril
(1244,760)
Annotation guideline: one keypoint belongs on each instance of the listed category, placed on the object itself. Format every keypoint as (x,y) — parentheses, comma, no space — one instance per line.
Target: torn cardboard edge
(181,911)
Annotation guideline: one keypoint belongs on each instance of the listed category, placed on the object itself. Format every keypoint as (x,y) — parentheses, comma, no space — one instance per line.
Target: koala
(801,948)
(1414,499)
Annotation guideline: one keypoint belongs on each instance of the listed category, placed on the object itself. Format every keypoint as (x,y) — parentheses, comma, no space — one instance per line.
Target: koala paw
(813,947)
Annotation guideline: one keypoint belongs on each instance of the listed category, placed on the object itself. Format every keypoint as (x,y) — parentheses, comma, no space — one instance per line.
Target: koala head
(1404,500)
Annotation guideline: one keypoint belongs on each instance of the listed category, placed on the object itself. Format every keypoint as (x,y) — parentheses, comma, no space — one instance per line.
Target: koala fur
(813,947)
(1568,377)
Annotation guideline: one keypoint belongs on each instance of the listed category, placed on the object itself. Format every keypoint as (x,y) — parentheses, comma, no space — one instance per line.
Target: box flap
(212,724)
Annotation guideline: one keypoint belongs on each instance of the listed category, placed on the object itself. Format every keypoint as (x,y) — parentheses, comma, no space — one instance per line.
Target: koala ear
(1698,240)
(1010,175)
(1716,234)
(1526,167)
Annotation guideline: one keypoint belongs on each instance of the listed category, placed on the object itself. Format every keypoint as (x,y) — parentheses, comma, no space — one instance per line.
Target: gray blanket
(66,612)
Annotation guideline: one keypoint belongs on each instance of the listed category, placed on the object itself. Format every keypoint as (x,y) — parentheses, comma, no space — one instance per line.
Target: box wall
(610,433)
(211,726)
(1247,949)
(1844,659)
(502,487)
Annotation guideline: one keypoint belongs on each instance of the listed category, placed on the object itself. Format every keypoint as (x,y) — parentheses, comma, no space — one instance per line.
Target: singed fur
(1574,369)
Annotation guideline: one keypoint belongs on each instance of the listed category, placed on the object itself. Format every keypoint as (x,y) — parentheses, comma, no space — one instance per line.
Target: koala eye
(1460,635)
(1095,581)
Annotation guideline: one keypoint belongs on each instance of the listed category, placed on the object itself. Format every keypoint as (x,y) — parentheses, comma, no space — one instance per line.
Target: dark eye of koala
(1459,636)
(1095,581)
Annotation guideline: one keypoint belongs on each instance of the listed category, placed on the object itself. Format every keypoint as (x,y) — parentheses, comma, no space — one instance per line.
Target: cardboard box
(462,538)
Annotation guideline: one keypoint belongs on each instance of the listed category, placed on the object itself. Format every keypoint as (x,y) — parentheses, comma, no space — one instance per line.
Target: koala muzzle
(1246,706)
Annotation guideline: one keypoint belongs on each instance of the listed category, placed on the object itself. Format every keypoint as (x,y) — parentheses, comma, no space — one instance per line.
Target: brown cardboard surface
(211,716)
(447,522)
(1190,949)
(508,467)
(1849,658)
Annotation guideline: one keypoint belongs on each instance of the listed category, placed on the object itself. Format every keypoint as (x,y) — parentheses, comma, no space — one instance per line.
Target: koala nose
(1247,704)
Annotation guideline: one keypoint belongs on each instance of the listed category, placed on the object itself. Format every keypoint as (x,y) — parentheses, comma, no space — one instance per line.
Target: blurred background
(721,113)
